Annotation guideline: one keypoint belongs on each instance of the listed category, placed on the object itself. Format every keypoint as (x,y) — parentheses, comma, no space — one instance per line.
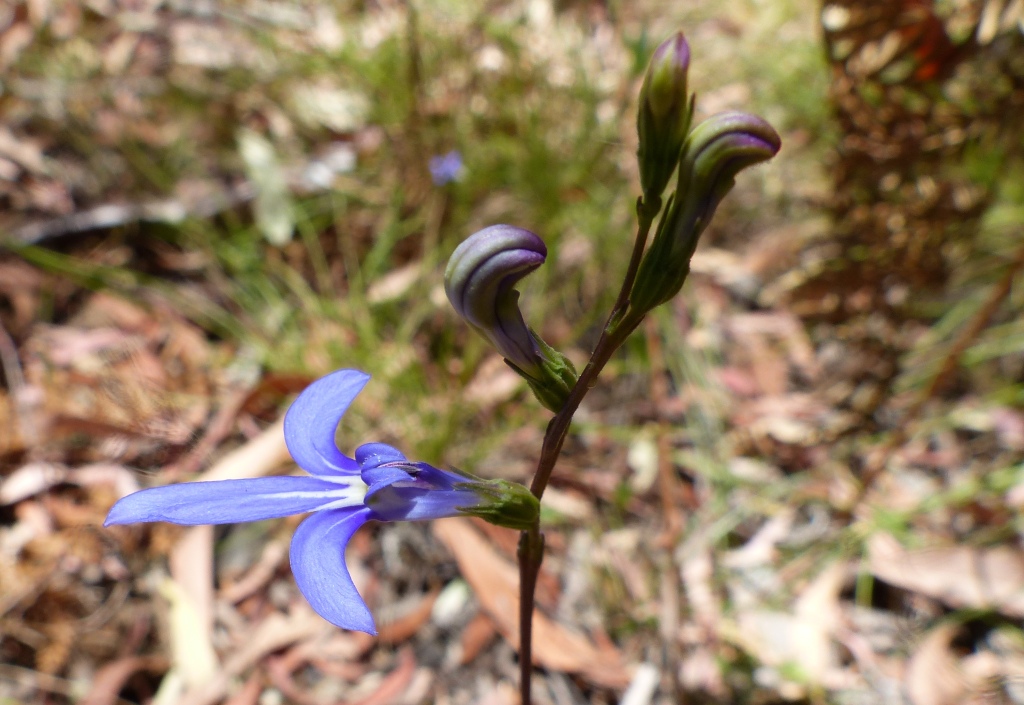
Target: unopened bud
(664,115)
(714,153)
(480,280)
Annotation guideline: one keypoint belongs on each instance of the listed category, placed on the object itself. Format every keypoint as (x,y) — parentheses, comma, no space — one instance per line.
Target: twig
(216,431)
(15,383)
(304,177)
(10,363)
(11,367)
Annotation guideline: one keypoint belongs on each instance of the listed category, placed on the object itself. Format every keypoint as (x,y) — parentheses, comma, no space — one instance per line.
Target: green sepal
(553,379)
(503,503)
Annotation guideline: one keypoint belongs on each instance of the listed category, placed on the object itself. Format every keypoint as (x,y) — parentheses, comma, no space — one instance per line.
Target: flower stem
(621,322)
(531,553)
(616,329)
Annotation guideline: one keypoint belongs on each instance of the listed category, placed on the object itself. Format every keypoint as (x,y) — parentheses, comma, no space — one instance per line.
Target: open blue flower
(445,168)
(343,493)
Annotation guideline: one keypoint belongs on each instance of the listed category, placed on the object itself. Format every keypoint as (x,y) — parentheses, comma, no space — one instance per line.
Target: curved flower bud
(480,280)
(714,153)
(664,115)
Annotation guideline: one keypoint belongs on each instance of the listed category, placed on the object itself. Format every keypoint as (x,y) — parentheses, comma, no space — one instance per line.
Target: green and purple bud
(664,115)
(714,153)
(480,283)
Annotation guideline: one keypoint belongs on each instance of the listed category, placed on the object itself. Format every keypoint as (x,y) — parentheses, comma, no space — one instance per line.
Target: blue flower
(343,493)
(445,168)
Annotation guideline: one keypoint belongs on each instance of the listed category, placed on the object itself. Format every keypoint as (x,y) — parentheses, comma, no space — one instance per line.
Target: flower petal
(379,478)
(371,455)
(381,464)
(395,502)
(318,562)
(312,420)
(231,501)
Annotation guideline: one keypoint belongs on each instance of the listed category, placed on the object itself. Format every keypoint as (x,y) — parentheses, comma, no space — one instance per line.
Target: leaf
(961,576)
(111,678)
(802,638)
(933,676)
(495,582)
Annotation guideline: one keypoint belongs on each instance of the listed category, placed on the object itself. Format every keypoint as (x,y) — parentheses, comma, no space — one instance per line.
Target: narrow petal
(318,563)
(232,501)
(415,491)
(396,502)
(422,506)
(312,420)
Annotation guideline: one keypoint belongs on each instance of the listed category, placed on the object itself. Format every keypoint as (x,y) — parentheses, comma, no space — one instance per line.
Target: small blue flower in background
(343,493)
(446,168)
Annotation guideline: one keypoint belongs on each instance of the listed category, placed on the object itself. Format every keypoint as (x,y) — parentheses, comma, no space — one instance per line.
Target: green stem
(621,322)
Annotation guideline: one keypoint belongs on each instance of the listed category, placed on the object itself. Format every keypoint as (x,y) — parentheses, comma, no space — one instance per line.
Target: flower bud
(664,116)
(714,153)
(480,280)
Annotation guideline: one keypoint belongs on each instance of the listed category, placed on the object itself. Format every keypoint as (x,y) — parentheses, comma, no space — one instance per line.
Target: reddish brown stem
(621,322)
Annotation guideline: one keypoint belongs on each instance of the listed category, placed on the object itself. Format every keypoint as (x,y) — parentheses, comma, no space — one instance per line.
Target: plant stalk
(617,328)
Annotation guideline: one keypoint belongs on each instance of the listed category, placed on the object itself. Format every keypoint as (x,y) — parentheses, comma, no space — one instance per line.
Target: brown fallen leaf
(506,543)
(394,683)
(110,679)
(274,554)
(336,655)
(493,384)
(788,330)
(401,628)
(767,365)
(961,576)
(933,676)
(475,637)
(279,672)
(495,582)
